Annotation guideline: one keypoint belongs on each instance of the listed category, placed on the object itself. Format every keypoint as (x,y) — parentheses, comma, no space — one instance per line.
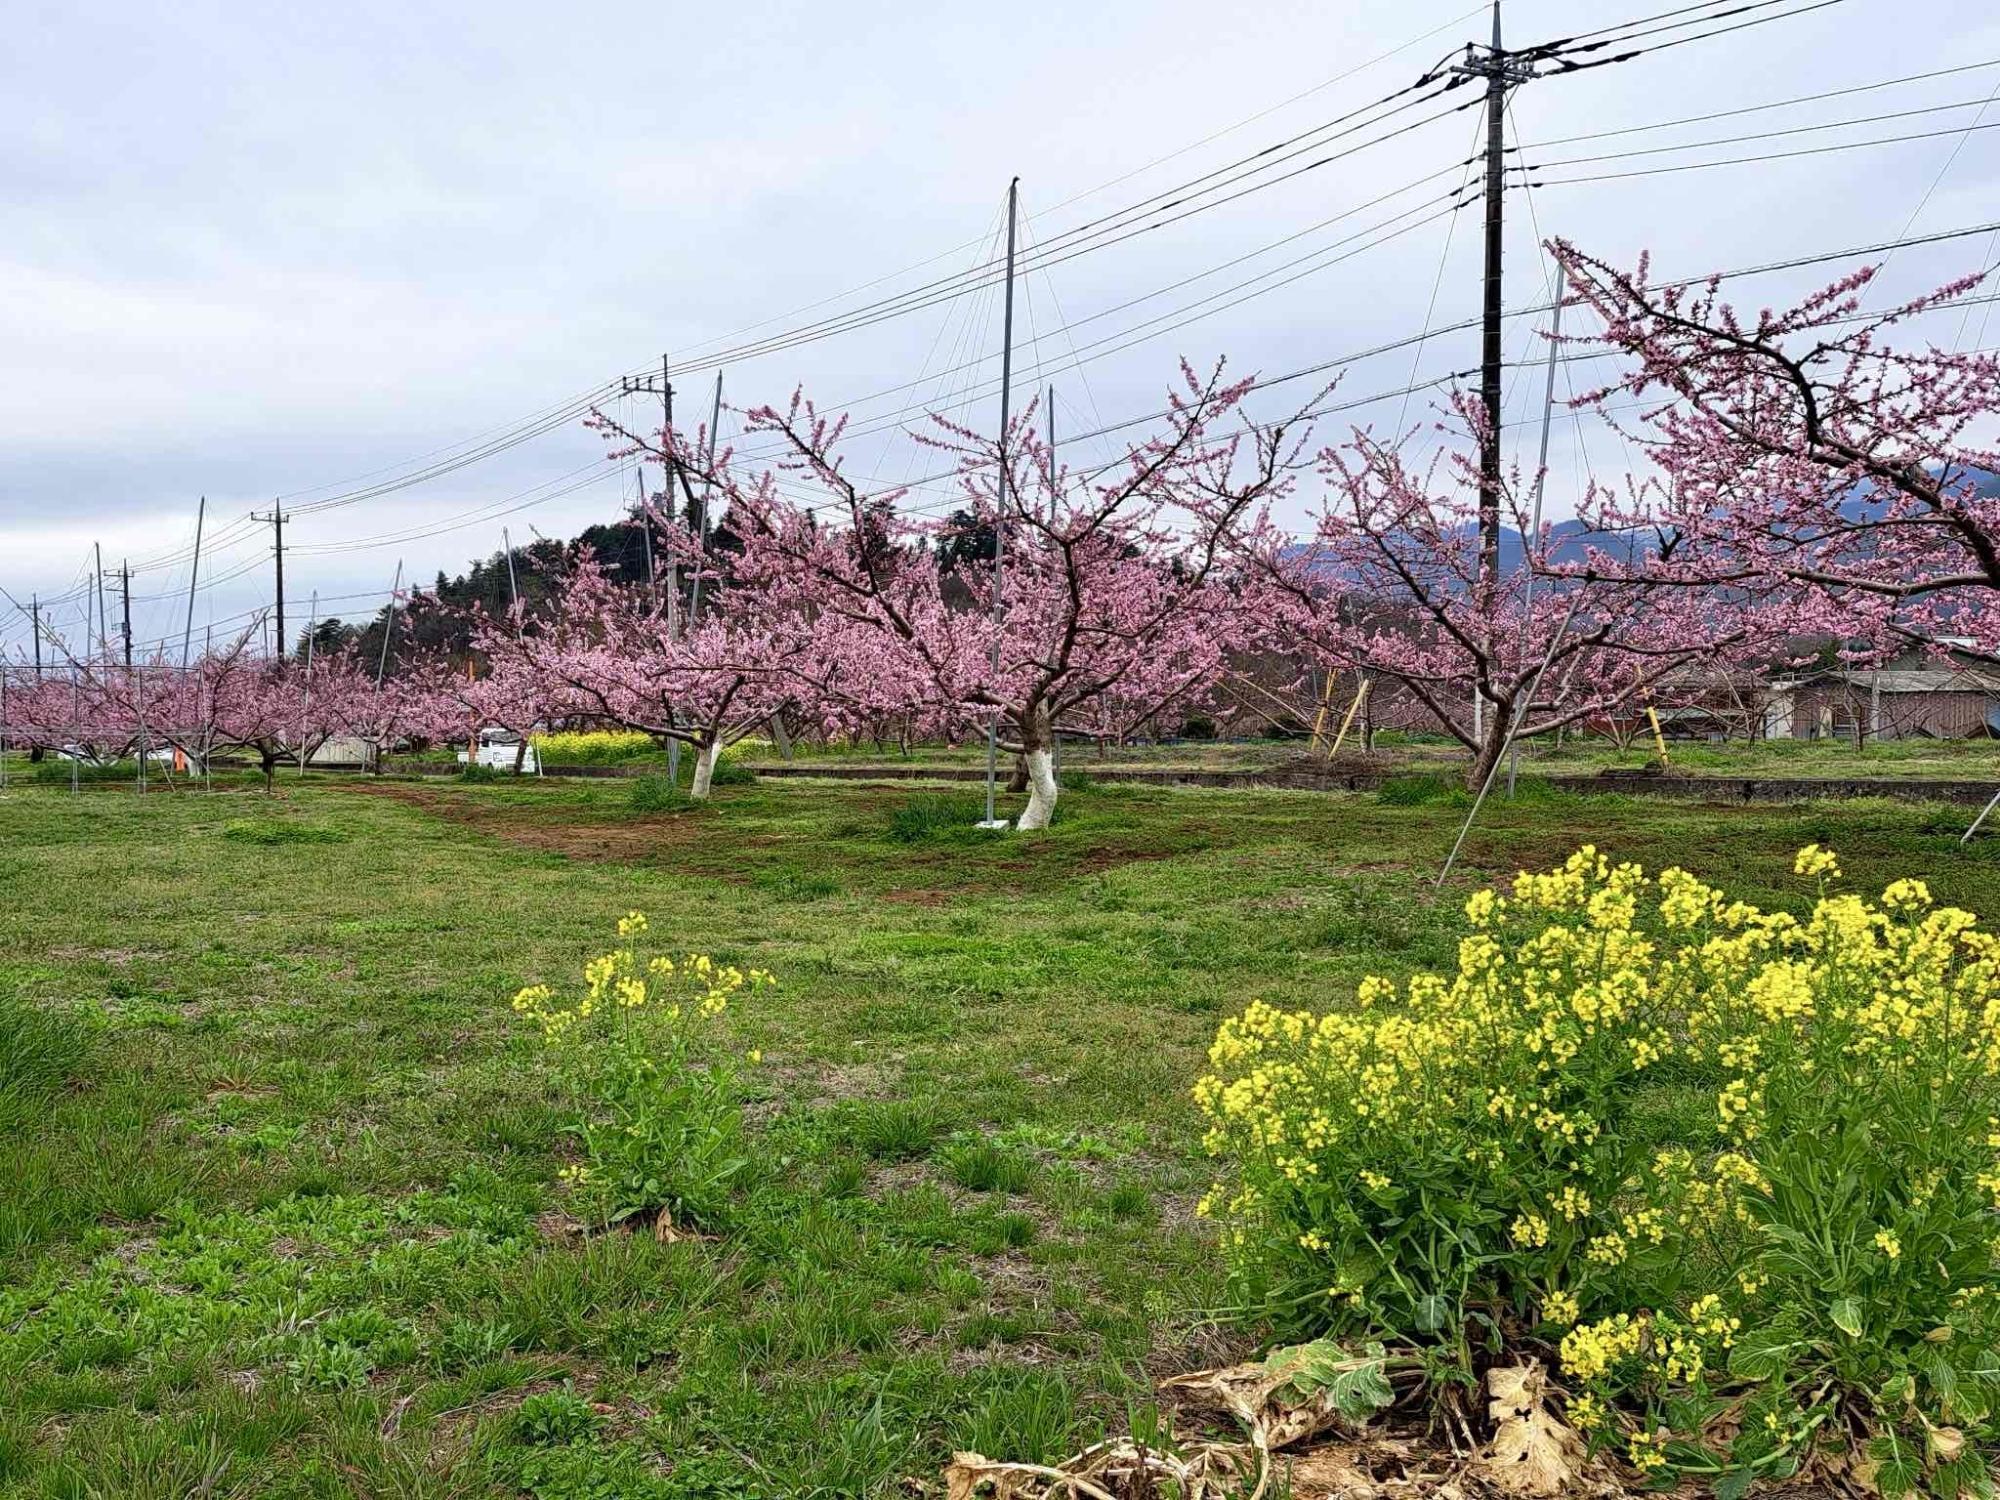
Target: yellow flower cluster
(619,982)
(1505,1082)
(1591,1350)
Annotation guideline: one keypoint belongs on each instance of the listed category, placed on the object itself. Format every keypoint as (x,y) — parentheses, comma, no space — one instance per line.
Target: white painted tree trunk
(1041,791)
(704,771)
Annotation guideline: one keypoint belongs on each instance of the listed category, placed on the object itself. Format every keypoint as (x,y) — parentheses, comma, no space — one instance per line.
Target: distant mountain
(1571,541)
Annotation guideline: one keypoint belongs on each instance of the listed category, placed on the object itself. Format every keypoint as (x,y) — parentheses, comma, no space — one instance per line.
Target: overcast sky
(281,251)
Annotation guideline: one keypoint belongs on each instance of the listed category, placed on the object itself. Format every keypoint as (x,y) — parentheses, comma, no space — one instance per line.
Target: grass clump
(792,884)
(1426,789)
(729,771)
(982,1167)
(657,793)
(934,816)
(271,832)
(42,1053)
(59,772)
(897,1129)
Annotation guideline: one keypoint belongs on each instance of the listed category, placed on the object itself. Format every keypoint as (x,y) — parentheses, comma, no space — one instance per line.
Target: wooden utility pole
(1500,70)
(277,520)
(665,391)
(1000,492)
(125,609)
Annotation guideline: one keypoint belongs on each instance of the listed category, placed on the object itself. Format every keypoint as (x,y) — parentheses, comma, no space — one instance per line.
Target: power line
(1740,161)
(1751,109)
(1772,135)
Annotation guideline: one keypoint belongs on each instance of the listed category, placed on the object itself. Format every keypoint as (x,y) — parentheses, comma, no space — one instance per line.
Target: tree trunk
(704,771)
(520,755)
(781,737)
(267,762)
(1037,764)
(1492,742)
(1017,781)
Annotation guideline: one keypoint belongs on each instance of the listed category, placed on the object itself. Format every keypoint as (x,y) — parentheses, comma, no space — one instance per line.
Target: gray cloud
(252,251)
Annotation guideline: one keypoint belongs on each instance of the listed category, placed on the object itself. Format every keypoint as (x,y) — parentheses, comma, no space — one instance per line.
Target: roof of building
(1900,680)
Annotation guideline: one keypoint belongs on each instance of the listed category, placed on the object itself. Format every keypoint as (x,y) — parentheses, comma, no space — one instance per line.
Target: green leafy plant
(657,794)
(660,1102)
(550,1419)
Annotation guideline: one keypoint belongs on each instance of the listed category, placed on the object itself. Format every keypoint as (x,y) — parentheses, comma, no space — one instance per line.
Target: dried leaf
(1329,1474)
(1533,1452)
(1296,1392)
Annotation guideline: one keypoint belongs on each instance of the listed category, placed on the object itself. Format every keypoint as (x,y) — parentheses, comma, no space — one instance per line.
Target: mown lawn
(279,1210)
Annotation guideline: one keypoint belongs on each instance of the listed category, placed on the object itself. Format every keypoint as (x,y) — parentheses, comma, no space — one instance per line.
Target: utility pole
(1500,70)
(665,391)
(194,571)
(1000,490)
(35,622)
(125,609)
(103,630)
(277,520)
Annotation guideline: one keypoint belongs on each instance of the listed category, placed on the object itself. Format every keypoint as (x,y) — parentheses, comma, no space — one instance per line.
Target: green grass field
(279,1209)
(1969,759)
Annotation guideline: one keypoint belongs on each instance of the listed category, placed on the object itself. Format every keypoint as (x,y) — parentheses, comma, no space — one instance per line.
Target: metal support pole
(513,586)
(1055,492)
(305,704)
(707,499)
(103,628)
(1967,835)
(1541,476)
(389,626)
(673,469)
(194,571)
(139,690)
(1513,724)
(1000,489)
